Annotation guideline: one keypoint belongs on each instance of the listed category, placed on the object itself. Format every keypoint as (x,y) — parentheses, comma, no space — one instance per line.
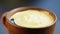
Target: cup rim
(55,17)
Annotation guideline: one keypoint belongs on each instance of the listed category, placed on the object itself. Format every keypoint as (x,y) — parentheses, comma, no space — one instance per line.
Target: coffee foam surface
(32,19)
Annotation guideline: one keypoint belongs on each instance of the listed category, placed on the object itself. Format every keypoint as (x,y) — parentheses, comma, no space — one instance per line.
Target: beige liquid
(33,19)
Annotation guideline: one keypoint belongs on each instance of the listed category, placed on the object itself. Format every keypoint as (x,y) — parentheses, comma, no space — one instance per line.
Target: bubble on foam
(12,21)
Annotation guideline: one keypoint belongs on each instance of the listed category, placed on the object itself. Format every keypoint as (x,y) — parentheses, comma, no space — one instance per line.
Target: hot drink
(29,20)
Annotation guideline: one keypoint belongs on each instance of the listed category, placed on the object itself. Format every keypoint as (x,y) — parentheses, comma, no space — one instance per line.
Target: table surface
(53,5)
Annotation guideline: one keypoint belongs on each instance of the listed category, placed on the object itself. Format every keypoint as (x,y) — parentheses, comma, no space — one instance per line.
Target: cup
(14,29)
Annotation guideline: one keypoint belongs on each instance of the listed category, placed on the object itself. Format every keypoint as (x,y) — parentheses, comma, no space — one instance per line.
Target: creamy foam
(32,18)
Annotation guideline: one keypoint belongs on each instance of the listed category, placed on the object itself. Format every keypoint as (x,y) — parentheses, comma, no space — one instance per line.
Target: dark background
(53,5)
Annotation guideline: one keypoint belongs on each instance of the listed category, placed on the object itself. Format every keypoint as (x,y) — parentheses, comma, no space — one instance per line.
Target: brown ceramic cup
(14,29)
